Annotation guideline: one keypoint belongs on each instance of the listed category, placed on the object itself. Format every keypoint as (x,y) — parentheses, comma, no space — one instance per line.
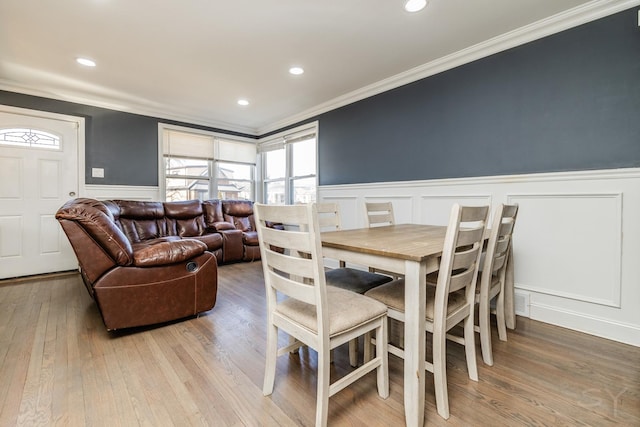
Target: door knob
(72,193)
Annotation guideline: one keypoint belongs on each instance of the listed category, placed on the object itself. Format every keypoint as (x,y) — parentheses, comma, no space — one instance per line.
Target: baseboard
(605,328)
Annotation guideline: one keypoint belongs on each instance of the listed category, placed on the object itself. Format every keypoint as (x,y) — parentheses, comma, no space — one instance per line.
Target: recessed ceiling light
(414,5)
(296,71)
(243,102)
(86,62)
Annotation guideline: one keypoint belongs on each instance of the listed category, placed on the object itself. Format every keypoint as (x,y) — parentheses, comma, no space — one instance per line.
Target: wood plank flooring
(59,366)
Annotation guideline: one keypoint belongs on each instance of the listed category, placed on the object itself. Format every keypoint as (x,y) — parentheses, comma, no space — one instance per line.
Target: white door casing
(34,183)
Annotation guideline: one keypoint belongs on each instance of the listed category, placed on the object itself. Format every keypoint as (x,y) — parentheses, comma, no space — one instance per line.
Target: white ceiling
(191,60)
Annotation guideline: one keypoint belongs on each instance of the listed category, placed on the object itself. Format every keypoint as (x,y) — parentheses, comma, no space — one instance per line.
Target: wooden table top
(413,242)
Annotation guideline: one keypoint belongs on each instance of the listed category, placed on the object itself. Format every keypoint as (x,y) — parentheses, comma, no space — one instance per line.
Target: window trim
(162,177)
(285,140)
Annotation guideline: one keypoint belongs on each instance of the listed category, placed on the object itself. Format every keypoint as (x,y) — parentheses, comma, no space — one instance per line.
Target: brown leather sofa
(151,262)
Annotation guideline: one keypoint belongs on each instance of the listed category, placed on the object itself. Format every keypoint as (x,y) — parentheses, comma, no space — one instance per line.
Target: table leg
(414,340)
(509,293)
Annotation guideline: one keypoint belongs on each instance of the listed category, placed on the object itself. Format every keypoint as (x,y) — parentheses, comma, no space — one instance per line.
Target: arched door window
(29,138)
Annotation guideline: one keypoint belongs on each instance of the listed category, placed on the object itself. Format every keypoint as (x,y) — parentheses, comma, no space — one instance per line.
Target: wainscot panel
(576,242)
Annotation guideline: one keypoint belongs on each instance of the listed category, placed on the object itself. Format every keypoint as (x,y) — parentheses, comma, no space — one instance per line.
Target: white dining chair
(301,304)
(451,301)
(344,277)
(492,278)
(379,214)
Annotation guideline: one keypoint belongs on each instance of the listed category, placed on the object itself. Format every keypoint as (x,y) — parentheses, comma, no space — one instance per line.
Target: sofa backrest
(184,218)
(140,220)
(239,213)
(212,212)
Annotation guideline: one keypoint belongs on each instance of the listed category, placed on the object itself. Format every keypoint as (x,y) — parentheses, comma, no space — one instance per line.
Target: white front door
(38,174)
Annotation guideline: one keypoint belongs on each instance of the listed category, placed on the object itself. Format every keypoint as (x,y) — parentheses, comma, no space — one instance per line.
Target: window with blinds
(289,166)
(207,166)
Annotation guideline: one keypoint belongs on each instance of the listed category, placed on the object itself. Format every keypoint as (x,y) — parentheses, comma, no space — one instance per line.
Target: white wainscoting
(576,241)
(121,192)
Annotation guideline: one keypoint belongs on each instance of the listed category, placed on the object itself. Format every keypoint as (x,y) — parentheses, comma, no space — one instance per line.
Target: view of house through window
(289,168)
(204,166)
(187,179)
(234,180)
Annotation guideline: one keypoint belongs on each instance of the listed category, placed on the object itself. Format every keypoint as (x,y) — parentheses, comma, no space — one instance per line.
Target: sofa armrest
(94,218)
(161,252)
(221,226)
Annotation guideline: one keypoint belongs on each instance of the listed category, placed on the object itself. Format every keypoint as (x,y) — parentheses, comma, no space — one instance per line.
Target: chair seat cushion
(392,295)
(347,310)
(354,280)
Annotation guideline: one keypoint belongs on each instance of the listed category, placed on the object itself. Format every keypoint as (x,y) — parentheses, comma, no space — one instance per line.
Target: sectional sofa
(150,262)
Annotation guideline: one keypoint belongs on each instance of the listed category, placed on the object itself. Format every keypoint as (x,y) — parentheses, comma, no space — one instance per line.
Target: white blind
(278,143)
(185,144)
(235,151)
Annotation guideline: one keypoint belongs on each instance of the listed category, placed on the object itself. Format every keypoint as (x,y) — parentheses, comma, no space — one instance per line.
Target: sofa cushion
(355,280)
(212,240)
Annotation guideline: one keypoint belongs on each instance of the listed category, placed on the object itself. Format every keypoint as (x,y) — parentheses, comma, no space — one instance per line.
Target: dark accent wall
(567,102)
(570,101)
(124,144)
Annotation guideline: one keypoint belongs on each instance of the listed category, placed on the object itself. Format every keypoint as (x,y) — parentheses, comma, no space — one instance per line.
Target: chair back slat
(379,214)
(461,254)
(461,251)
(470,236)
(292,287)
(510,211)
(506,228)
(295,268)
(461,279)
(466,259)
(294,240)
(500,239)
(499,262)
(299,265)
(501,252)
(328,216)
(471,214)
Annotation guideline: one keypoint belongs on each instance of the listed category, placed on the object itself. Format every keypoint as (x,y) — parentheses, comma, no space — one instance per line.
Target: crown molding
(132,108)
(571,18)
(563,21)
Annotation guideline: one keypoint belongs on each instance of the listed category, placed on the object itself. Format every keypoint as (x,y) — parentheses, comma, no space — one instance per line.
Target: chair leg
(368,347)
(291,341)
(270,364)
(381,351)
(353,352)
(484,319)
(322,403)
(470,347)
(440,373)
(500,317)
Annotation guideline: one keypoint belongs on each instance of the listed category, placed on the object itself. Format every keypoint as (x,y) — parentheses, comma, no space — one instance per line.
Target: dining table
(411,250)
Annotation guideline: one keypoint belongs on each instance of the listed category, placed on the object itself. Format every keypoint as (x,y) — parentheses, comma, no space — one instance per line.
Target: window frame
(286,141)
(212,163)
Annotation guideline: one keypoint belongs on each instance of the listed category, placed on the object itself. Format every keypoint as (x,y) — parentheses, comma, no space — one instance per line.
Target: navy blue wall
(124,144)
(570,101)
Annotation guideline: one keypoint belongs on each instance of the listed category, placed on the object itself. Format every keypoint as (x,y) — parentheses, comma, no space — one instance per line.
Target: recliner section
(151,262)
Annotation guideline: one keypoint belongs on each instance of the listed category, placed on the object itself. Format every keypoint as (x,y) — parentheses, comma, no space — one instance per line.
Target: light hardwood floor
(59,366)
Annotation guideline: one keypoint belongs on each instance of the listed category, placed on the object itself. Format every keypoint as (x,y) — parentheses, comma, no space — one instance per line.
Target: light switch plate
(97,172)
